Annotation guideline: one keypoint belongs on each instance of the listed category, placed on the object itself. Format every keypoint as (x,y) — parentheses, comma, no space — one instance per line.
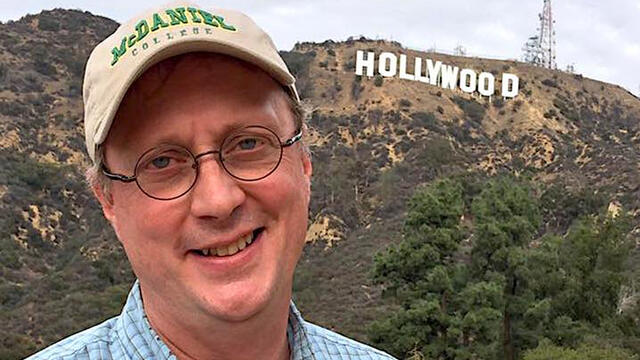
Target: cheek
(148,231)
(144,222)
(286,191)
(285,194)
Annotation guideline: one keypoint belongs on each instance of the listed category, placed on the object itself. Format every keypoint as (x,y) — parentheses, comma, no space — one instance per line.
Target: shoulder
(92,343)
(337,346)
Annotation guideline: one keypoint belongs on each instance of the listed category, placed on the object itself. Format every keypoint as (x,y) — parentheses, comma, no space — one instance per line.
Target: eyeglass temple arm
(293,140)
(118,177)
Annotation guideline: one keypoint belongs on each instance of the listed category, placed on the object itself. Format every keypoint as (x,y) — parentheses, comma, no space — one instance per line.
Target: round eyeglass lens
(166,172)
(251,153)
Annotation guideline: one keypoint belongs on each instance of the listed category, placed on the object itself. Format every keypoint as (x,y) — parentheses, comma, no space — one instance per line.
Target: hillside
(372,142)
(576,137)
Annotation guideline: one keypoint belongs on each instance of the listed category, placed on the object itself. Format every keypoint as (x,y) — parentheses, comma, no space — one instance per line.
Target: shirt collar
(135,333)
(141,342)
(297,336)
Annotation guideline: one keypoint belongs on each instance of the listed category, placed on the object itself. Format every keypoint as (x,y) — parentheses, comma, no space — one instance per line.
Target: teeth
(231,249)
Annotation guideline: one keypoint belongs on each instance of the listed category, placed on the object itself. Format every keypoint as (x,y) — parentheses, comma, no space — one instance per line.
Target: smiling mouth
(231,249)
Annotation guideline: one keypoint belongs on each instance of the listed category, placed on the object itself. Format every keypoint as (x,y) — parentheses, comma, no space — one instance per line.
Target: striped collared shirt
(129,336)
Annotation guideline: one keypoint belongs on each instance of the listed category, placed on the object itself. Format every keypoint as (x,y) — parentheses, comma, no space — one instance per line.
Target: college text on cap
(171,17)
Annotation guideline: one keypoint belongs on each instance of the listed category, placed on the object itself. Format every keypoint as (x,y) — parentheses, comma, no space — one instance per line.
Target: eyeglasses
(168,171)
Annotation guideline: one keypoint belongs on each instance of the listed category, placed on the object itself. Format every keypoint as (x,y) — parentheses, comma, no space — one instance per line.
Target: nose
(215,194)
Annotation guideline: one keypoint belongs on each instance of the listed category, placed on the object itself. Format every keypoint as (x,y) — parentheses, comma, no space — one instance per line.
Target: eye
(248,143)
(164,159)
(160,162)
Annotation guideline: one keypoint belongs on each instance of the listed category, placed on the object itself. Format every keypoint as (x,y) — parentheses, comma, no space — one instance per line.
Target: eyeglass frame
(196,165)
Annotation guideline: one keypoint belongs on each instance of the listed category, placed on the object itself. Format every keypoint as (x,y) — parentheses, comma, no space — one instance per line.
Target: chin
(239,305)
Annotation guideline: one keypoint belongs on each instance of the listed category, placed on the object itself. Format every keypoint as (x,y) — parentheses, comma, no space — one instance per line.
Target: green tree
(420,271)
(595,253)
(507,218)
(431,236)
(495,287)
(547,351)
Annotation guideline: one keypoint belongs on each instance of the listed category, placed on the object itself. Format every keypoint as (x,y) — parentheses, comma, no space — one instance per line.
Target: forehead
(190,97)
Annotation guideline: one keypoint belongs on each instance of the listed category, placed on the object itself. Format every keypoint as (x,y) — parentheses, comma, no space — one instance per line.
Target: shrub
(349,65)
(12,108)
(74,65)
(377,81)
(44,67)
(10,259)
(74,89)
(9,42)
(47,23)
(550,114)
(427,121)
(30,83)
(566,108)
(356,88)
(405,103)
(11,294)
(37,175)
(3,71)
(546,350)
(472,109)
(337,86)
(517,104)
(297,62)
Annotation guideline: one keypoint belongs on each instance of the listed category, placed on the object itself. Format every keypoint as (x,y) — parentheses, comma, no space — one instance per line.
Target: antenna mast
(540,49)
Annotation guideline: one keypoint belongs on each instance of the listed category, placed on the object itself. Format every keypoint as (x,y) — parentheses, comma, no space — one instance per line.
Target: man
(194,126)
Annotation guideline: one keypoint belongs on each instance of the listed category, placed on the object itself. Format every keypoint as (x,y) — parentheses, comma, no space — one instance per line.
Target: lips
(230,249)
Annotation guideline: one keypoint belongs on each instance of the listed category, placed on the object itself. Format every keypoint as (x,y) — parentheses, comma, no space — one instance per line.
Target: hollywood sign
(435,73)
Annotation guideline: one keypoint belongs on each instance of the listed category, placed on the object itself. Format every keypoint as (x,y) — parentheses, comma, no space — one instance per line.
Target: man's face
(195,105)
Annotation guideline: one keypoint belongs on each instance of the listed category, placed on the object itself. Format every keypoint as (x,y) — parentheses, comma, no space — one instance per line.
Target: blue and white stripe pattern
(129,336)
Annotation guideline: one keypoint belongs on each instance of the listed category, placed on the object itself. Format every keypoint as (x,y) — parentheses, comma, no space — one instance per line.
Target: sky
(601,39)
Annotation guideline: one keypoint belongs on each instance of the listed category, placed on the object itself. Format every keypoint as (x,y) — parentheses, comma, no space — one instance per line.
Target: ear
(106,202)
(307,170)
(306,164)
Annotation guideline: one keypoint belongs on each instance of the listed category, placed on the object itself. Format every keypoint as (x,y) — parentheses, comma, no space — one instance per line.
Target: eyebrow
(171,139)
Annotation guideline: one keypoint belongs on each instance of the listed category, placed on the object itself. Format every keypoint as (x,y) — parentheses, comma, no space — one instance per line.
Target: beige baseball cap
(157,34)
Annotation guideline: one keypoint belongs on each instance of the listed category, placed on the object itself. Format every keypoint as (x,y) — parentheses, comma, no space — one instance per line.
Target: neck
(263,336)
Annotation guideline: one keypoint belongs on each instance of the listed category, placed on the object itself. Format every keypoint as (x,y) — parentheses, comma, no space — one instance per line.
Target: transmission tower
(541,49)
(532,51)
(548,36)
